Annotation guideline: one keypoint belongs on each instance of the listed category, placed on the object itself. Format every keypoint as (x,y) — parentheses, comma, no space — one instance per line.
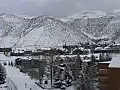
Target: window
(103,71)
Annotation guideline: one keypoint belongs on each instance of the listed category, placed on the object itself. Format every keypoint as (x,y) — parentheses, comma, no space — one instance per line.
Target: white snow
(116,11)
(105,62)
(16,80)
(7,41)
(26,16)
(19,79)
(10,17)
(3,87)
(3,57)
(88,14)
(115,62)
(32,38)
(48,37)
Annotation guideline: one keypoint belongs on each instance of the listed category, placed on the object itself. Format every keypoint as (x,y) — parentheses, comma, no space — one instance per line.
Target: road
(20,81)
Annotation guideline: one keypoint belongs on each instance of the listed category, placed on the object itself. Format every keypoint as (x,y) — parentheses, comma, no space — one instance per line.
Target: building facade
(109,74)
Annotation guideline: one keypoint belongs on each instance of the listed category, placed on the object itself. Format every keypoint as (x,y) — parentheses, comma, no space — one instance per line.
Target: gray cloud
(56,7)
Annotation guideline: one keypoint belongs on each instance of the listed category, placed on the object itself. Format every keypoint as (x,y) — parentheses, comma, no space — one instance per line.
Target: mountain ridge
(80,27)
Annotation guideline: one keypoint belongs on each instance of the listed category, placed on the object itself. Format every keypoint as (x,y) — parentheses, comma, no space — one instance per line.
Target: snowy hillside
(88,14)
(84,15)
(47,31)
(112,30)
(95,24)
(51,33)
(11,27)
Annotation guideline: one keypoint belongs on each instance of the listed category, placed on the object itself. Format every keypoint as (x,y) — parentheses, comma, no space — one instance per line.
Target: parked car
(63,86)
(5,63)
(2,82)
(57,84)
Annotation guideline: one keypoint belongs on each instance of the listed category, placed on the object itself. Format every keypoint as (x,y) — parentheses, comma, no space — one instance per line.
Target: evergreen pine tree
(93,59)
(2,74)
(9,63)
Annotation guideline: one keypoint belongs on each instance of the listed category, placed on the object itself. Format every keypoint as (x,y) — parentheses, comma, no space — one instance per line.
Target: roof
(106,62)
(115,62)
(2,57)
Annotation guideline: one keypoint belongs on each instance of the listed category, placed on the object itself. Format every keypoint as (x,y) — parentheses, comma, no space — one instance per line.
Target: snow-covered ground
(3,87)
(17,80)
(20,80)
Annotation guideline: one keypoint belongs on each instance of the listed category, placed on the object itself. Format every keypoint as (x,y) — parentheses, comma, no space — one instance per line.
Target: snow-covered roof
(27,58)
(105,62)
(63,56)
(115,62)
(86,60)
(2,57)
(98,48)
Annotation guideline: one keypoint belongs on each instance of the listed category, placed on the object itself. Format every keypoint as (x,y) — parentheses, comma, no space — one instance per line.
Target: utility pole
(51,69)
(4,49)
(39,69)
(52,53)
(39,74)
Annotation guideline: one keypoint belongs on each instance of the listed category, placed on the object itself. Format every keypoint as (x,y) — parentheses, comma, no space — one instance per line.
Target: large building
(109,74)
(103,75)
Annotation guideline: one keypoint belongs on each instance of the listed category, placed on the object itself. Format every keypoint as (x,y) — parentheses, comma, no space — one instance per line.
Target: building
(103,75)
(109,74)
(114,74)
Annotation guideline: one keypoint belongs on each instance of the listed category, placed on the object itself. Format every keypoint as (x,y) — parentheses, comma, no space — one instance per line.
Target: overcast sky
(56,7)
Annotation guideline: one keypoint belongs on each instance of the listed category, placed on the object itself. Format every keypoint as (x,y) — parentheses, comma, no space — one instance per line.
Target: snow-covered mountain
(47,31)
(112,30)
(96,25)
(88,14)
(44,31)
(84,15)
(10,28)
(51,32)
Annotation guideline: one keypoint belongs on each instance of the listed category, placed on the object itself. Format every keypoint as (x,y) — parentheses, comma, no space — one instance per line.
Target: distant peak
(116,11)
(88,14)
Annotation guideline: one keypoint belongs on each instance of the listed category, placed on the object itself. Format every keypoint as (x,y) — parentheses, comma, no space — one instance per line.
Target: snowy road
(2,87)
(20,80)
